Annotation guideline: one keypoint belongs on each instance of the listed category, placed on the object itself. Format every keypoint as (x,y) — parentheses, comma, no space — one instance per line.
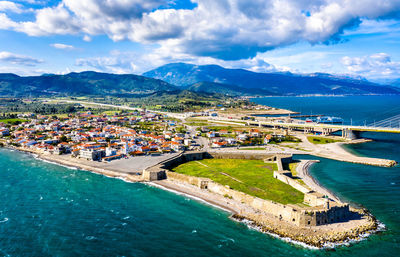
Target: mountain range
(177,77)
(84,83)
(186,75)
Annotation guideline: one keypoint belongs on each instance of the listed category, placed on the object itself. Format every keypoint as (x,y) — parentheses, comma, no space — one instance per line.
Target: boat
(329,119)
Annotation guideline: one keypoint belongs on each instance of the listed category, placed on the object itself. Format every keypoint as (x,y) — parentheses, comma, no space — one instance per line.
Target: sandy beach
(127,169)
(302,170)
(335,151)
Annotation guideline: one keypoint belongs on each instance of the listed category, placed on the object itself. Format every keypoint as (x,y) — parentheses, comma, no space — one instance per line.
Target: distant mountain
(231,90)
(84,83)
(182,74)
(395,83)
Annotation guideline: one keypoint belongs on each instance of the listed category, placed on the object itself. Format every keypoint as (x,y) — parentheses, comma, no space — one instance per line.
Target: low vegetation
(292,167)
(322,140)
(12,121)
(253,177)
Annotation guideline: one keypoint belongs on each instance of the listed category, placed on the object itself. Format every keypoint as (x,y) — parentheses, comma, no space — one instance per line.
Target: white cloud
(19,59)
(87,38)
(63,46)
(6,23)
(10,6)
(221,29)
(116,62)
(137,63)
(373,66)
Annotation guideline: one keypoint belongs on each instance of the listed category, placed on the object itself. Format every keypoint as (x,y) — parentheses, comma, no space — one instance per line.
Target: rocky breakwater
(327,236)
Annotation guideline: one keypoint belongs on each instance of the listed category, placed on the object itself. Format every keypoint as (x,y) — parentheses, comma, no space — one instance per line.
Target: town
(106,137)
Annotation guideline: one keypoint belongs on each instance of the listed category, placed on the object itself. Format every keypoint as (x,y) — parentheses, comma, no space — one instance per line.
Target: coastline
(311,237)
(336,151)
(70,164)
(320,237)
(303,171)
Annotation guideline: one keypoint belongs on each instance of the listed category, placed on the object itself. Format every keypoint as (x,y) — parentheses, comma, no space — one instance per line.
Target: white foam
(4,220)
(250,224)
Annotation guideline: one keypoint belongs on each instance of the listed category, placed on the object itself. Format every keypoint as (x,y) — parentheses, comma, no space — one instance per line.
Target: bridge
(390,125)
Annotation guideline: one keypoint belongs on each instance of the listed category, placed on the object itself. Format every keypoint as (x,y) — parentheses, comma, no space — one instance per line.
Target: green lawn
(253,177)
(322,140)
(197,124)
(12,121)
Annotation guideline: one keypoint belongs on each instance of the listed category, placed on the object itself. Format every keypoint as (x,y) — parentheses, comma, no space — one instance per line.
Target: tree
(63,138)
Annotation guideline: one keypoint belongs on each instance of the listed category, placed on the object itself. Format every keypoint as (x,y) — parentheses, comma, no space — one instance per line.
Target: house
(177,147)
(223,132)
(242,137)
(4,132)
(255,133)
(231,141)
(91,154)
(219,144)
(187,142)
(267,138)
(110,151)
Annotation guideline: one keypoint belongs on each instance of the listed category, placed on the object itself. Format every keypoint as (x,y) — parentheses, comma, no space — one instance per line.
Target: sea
(51,210)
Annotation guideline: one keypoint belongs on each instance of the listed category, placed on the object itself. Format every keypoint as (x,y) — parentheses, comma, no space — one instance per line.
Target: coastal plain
(236,200)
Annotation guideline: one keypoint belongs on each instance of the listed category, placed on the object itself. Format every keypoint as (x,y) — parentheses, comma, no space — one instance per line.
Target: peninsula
(227,162)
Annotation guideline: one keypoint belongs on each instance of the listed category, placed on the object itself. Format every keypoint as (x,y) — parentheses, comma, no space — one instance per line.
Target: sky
(358,38)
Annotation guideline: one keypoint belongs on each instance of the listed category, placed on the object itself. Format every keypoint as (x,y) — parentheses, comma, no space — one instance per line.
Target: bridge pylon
(350,134)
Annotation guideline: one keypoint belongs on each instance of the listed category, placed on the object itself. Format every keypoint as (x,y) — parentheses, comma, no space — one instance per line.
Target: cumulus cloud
(19,59)
(221,29)
(62,46)
(379,65)
(117,62)
(6,23)
(10,6)
(137,63)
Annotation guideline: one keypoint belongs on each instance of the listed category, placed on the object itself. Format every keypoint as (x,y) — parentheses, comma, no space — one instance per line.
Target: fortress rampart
(316,210)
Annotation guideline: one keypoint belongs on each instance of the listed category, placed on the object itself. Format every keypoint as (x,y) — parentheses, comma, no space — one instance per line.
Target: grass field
(322,140)
(253,177)
(197,124)
(12,121)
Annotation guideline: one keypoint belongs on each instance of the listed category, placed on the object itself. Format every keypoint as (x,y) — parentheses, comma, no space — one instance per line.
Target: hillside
(231,90)
(181,74)
(84,83)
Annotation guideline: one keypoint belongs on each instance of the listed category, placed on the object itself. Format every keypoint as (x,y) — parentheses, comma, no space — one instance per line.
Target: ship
(329,119)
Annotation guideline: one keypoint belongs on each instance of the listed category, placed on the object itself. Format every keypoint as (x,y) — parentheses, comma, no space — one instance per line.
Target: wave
(251,225)
(4,220)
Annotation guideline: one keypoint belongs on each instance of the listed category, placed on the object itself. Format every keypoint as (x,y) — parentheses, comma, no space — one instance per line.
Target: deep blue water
(48,210)
(356,110)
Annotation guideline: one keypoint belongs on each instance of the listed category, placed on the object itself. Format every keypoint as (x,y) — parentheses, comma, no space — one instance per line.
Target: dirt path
(222,173)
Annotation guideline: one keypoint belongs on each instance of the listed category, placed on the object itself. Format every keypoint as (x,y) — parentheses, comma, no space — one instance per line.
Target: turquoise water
(49,210)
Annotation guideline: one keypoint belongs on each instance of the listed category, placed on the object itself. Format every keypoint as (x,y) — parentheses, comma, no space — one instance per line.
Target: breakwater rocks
(313,237)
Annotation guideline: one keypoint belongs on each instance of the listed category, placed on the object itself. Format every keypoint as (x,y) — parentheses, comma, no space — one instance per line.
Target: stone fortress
(317,209)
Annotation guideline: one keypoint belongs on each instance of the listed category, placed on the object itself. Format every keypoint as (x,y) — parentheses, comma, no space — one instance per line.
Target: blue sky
(356,38)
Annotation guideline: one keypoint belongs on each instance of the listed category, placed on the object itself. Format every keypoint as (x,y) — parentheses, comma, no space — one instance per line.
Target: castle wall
(290,181)
(281,211)
(300,216)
